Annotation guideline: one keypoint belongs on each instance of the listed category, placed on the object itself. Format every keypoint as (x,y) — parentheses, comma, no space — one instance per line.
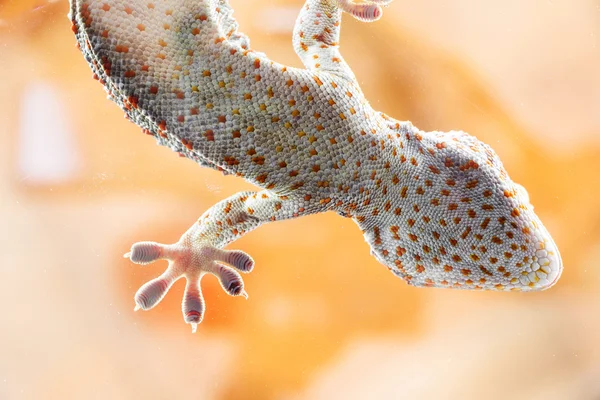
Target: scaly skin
(438,209)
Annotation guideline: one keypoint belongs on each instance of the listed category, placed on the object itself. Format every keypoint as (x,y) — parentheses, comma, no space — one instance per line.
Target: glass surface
(79,184)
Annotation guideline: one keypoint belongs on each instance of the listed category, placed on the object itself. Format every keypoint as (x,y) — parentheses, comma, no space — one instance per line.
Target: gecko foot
(366,11)
(190,261)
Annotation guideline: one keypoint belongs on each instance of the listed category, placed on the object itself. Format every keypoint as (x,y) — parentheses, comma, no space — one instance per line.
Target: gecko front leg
(199,251)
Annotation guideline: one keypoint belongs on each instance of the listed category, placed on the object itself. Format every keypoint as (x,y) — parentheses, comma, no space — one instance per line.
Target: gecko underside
(438,209)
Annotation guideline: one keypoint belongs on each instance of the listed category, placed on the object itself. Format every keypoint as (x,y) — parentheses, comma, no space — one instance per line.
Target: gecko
(438,209)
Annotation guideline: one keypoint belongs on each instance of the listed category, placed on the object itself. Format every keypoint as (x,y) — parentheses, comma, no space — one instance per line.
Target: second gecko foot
(190,261)
(367,11)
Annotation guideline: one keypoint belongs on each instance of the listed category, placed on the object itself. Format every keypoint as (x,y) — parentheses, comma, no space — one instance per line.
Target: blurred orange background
(79,184)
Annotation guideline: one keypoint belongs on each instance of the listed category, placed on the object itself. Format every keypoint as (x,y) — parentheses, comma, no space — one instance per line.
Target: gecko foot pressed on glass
(437,208)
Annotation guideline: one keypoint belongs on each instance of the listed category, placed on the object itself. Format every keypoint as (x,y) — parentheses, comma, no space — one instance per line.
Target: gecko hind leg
(316,36)
(190,260)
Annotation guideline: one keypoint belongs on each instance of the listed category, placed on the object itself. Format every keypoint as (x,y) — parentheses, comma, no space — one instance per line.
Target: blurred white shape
(47,152)
(276,19)
(278,312)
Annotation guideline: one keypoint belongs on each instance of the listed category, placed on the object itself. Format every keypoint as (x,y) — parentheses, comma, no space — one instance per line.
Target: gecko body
(438,209)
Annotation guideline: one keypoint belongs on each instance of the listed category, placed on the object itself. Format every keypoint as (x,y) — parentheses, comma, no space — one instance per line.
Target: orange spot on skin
(485,271)
(472,184)
(187,144)
(261,178)
(133,100)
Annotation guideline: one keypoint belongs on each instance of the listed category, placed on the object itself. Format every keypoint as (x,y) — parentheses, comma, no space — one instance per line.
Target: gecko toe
(230,280)
(152,292)
(237,259)
(193,305)
(145,252)
(367,12)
